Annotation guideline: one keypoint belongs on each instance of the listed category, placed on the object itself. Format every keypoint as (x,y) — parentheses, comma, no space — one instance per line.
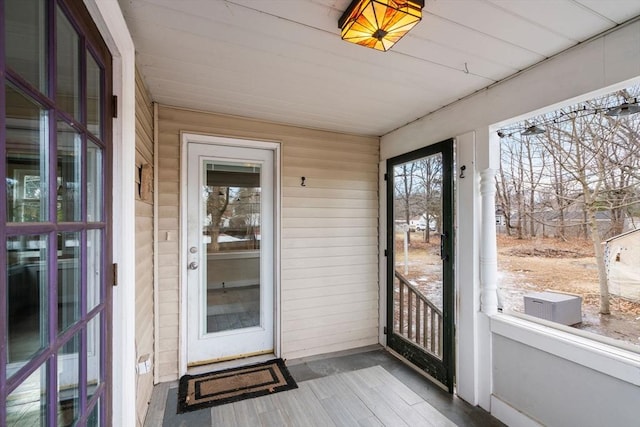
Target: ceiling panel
(490,19)
(284,61)
(618,11)
(460,38)
(569,19)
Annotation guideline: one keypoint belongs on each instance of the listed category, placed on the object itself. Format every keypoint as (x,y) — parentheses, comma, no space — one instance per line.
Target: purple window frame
(90,43)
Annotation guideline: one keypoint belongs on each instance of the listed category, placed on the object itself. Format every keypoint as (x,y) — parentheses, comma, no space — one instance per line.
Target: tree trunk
(602,271)
(617,221)
(532,219)
(532,190)
(559,186)
(520,225)
(521,204)
(217,203)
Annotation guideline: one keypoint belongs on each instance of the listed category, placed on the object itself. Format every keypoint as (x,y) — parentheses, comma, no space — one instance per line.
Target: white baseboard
(510,415)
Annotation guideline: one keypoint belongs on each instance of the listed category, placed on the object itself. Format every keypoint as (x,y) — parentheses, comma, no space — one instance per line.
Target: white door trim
(185,139)
(107,16)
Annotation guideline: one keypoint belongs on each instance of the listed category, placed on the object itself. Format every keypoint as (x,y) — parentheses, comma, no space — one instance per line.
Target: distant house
(622,258)
(575,222)
(418,222)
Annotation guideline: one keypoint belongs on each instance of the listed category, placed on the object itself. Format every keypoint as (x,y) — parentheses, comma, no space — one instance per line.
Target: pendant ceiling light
(624,109)
(533,130)
(379,24)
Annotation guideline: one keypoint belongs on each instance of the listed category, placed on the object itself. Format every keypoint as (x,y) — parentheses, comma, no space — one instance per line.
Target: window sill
(616,362)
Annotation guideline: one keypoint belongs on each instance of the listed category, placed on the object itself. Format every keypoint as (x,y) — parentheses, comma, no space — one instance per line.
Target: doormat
(231,385)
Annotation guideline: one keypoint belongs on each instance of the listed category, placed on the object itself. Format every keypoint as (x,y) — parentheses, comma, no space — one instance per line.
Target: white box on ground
(554,306)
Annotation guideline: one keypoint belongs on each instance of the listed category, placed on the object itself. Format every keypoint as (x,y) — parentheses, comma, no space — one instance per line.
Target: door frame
(275,146)
(444,374)
(107,16)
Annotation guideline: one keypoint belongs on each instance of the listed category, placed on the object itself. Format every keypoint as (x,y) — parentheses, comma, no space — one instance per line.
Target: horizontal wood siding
(144,248)
(329,259)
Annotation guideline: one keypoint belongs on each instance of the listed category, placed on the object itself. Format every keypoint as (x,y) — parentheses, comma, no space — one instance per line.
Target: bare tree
(503,197)
(590,174)
(576,150)
(404,189)
(217,202)
(429,174)
(588,148)
(535,170)
(560,198)
(511,186)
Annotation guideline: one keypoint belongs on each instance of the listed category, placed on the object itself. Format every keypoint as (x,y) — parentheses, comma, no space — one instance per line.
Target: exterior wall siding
(144,246)
(329,234)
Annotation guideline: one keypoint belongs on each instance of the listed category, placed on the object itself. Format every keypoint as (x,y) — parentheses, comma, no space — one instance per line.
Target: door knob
(193,265)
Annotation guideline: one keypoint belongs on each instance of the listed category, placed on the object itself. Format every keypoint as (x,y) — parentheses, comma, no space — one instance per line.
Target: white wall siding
(329,246)
(144,249)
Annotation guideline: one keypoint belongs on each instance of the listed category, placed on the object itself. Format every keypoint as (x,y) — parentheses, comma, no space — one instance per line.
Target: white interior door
(230,252)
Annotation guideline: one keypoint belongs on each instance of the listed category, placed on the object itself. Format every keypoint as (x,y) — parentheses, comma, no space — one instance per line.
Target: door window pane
(418,277)
(94,182)
(231,196)
(27,313)
(25,46)
(94,417)
(94,96)
(69,173)
(67,66)
(26,156)
(69,382)
(231,199)
(94,268)
(68,279)
(27,404)
(94,355)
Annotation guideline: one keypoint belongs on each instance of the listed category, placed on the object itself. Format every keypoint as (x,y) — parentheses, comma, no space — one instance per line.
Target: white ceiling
(284,61)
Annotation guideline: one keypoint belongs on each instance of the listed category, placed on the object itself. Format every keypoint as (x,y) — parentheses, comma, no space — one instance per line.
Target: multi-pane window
(55,142)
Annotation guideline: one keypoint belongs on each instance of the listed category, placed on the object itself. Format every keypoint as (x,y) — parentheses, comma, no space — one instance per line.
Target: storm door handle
(443,256)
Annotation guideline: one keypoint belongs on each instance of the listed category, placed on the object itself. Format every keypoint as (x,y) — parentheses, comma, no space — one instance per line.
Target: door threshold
(228,364)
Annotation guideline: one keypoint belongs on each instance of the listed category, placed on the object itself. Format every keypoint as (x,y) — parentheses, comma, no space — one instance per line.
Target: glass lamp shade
(379,24)
(624,109)
(533,130)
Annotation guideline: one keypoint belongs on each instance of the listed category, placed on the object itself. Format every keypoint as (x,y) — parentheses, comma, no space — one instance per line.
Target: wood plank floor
(370,388)
(366,397)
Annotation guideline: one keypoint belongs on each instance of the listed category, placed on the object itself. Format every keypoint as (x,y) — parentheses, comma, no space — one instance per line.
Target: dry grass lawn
(534,265)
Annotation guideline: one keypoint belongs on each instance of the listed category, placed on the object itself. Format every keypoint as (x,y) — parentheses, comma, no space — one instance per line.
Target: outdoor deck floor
(363,388)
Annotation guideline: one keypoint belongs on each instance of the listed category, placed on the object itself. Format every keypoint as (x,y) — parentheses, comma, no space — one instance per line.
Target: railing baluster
(433,331)
(418,305)
(440,337)
(401,310)
(410,314)
(425,328)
